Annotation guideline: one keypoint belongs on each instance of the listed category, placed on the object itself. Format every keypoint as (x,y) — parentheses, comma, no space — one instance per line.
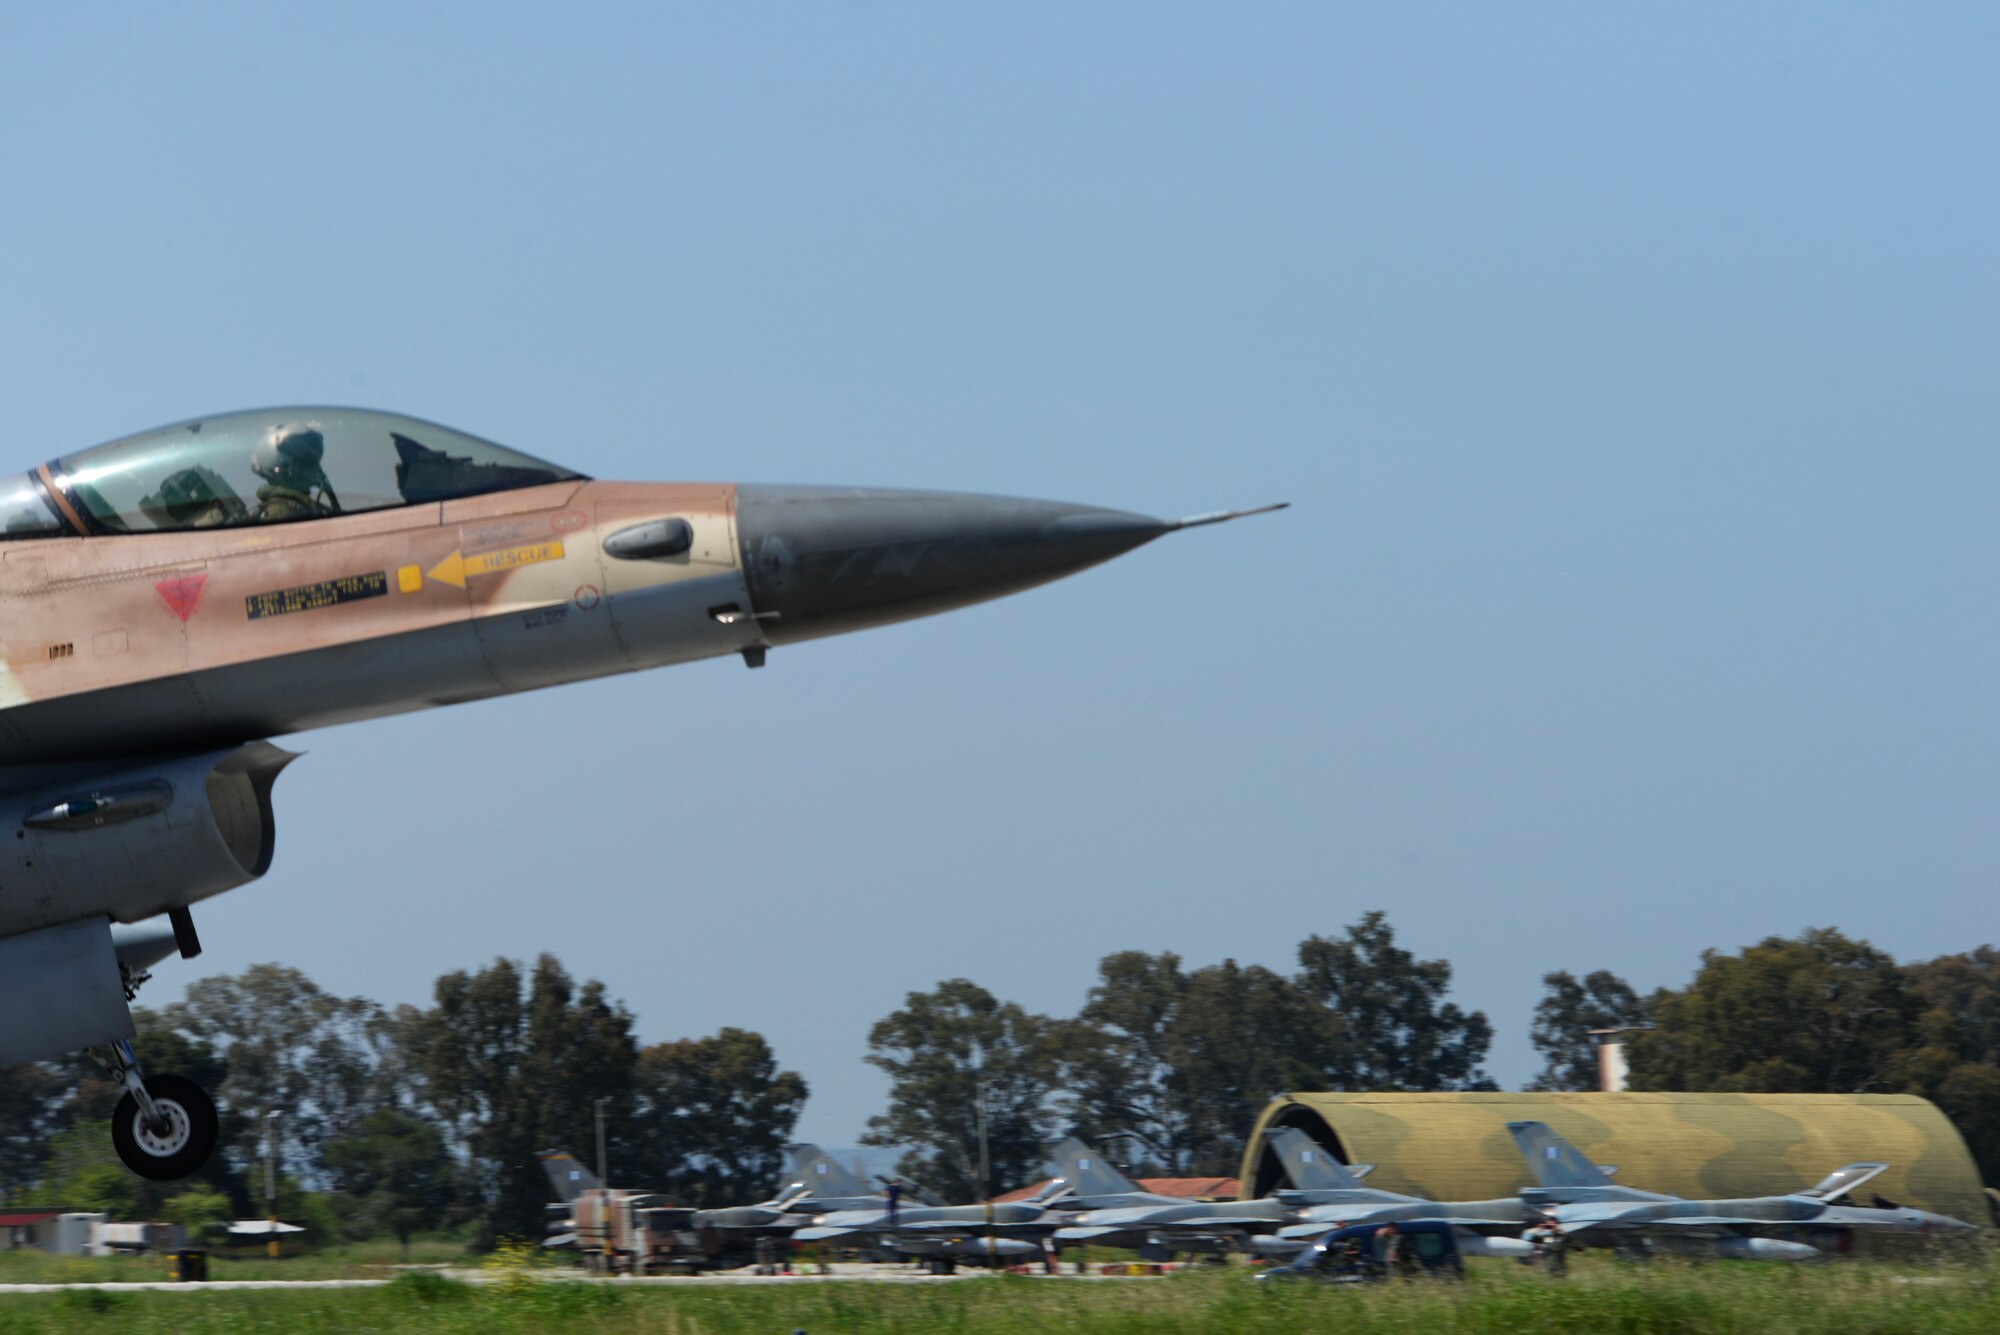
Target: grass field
(1598,1298)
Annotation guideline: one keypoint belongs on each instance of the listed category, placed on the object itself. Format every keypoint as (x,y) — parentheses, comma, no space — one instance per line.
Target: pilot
(1550,1247)
(295,486)
(1393,1249)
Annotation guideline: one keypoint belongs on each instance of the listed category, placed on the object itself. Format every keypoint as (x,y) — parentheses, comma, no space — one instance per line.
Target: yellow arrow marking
(450,571)
(458,567)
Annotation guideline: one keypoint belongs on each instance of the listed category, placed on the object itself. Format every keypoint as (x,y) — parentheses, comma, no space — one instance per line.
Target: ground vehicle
(1363,1253)
(624,1232)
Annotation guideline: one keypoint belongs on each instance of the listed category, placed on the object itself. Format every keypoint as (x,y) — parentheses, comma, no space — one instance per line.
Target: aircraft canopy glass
(281,465)
(25,513)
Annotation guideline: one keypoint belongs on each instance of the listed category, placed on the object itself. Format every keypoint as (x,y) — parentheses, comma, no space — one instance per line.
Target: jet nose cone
(822,560)
(1939,1223)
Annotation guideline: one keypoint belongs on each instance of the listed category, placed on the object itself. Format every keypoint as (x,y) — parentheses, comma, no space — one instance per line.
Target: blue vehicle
(1367,1253)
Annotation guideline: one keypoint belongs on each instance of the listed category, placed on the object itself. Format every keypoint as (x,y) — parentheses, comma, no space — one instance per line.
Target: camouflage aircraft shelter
(1456,1146)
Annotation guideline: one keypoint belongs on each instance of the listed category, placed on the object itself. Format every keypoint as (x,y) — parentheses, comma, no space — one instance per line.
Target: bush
(427,1286)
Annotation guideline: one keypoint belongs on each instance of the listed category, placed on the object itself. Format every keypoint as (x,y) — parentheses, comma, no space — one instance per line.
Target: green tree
(202,1212)
(30,1112)
(946,1053)
(1958,1064)
(290,1047)
(1171,1067)
(1568,1011)
(513,1074)
(396,1171)
(1397,1030)
(1969,1094)
(1120,1074)
(1819,1013)
(1243,1035)
(1822,1013)
(83,1172)
(1967,988)
(711,1117)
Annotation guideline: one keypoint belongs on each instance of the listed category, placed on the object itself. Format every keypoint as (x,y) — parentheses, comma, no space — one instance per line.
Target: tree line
(1167,1068)
(390,1121)
(393,1121)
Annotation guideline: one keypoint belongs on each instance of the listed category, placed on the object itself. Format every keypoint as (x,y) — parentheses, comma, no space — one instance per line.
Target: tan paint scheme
(83,615)
(1452,1146)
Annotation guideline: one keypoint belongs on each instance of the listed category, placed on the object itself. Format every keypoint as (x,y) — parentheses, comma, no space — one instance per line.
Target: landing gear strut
(165,1127)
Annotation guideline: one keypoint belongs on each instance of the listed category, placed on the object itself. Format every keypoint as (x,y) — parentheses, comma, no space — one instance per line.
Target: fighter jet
(814,1183)
(1116,1212)
(1797,1226)
(1327,1194)
(1563,1175)
(171,601)
(1003,1231)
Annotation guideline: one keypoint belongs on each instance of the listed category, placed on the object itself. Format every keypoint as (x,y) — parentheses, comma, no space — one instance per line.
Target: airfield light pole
(603,1176)
(271,1182)
(986,1180)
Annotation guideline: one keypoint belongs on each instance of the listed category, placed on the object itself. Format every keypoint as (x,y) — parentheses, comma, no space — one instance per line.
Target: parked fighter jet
(1563,1175)
(1008,1230)
(1117,1212)
(1327,1194)
(814,1182)
(1094,1184)
(173,599)
(1798,1226)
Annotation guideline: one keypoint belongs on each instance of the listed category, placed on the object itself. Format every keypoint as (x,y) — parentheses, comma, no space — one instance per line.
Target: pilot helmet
(290,453)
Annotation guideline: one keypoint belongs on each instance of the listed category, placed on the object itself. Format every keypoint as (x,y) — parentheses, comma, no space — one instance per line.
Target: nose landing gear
(165,1127)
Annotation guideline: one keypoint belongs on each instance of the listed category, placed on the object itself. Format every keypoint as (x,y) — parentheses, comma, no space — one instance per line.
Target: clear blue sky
(1631,370)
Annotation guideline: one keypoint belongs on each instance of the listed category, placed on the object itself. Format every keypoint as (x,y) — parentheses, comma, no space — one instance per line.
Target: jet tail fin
(1842,1181)
(1310,1165)
(1087,1173)
(822,1174)
(570,1178)
(1554,1161)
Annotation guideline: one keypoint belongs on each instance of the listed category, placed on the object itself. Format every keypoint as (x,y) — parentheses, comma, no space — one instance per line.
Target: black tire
(189,1138)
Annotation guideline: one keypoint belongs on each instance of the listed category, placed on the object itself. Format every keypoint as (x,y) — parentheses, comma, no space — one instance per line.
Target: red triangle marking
(182,595)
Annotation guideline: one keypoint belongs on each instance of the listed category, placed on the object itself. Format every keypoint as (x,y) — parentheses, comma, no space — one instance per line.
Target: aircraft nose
(824,560)
(1938,1223)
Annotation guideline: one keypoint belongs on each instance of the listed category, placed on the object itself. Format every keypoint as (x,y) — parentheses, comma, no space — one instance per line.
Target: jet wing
(1215,1221)
(1088,1232)
(820,1234)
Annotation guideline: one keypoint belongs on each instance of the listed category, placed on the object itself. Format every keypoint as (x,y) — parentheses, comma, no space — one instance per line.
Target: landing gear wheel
(176,1149)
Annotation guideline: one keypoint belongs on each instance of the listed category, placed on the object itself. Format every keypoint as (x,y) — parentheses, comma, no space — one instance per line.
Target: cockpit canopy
(273,466)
